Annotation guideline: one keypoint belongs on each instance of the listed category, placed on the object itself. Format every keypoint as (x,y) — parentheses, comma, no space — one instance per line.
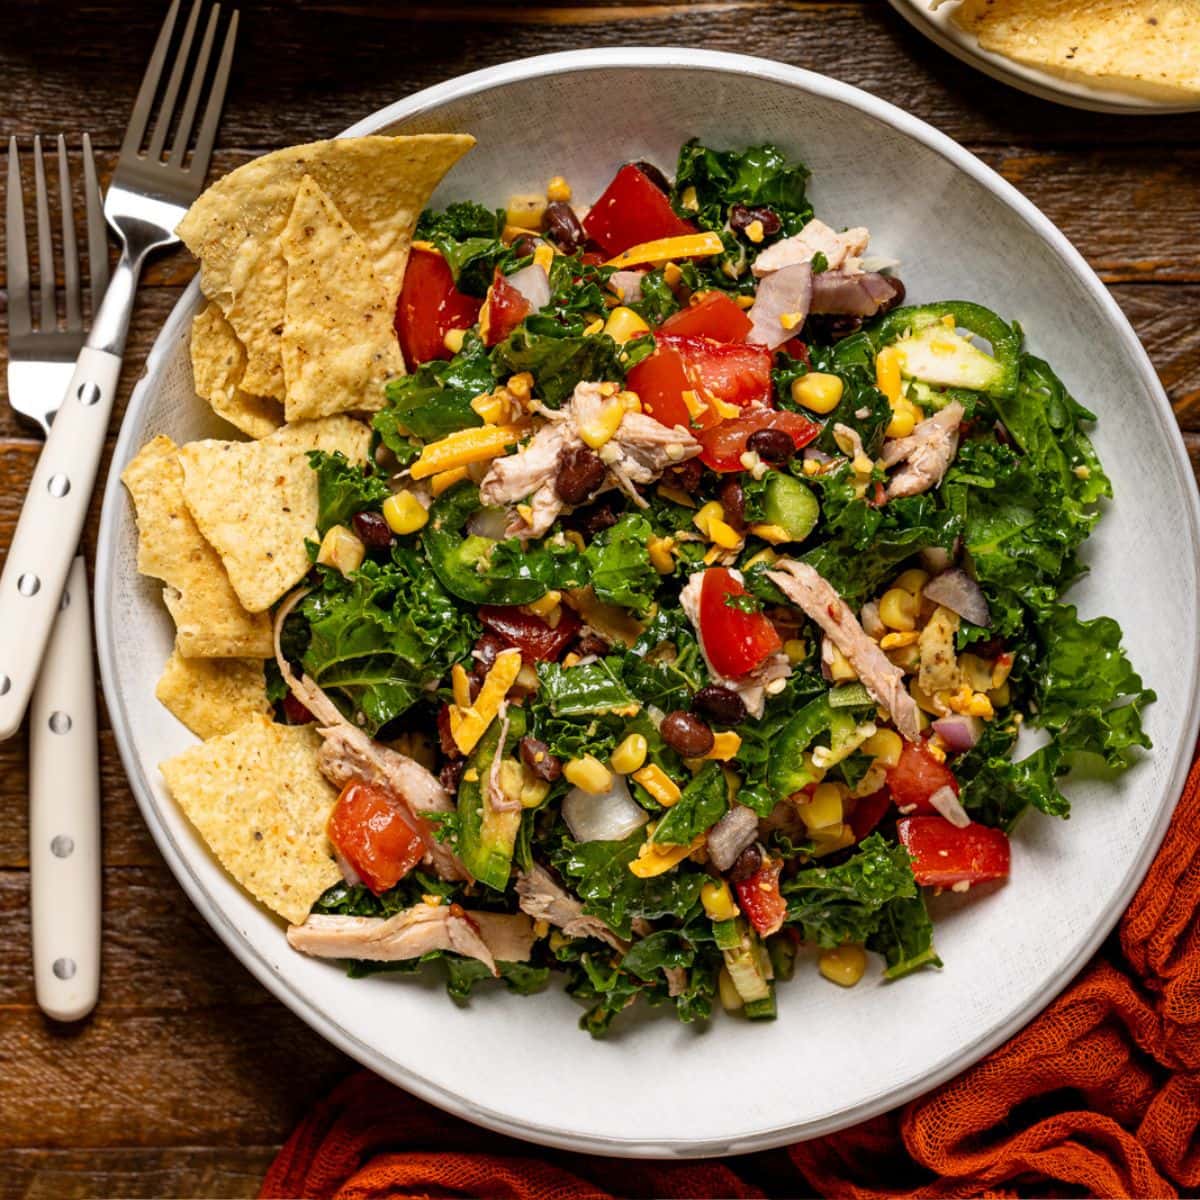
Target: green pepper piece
(788,772)
(486,837)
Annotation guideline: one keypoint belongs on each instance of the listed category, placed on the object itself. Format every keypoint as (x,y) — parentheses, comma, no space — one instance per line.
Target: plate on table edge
(233,918)
(1036,81)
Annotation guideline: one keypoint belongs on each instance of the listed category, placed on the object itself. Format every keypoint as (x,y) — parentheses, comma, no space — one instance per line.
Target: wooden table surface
(189,1075)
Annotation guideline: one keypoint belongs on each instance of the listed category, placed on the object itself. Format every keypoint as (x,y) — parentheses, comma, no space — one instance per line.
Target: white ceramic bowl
(833,1057)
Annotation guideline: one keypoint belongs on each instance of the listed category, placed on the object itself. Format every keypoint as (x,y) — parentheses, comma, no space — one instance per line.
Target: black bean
(741,216)
(655,176)
(524,246)
(372,530)
(580,473)
(450,776)
(597,519)
(828,327)
(563,227)
(687,475)
(720,704)
(733,502)
(686,734)
(536,756)
(748,863)
(771,445)
(592,643)
(897,296)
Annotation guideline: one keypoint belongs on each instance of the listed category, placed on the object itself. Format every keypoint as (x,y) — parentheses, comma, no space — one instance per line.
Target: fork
(64,786)
(147,198)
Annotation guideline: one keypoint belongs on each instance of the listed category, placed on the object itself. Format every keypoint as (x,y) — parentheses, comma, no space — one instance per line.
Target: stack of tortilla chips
(302,255)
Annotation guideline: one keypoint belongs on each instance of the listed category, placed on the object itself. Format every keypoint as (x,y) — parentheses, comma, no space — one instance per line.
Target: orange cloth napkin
(1100,1095)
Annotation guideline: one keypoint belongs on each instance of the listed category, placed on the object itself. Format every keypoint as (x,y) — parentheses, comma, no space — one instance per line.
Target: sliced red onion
(957,591)
(489,523)
(736,830)
(627,285)
(849,293)
(958,733)
(533,283)
(607,817)
(786,292)
(946,802)
(936,560)
(812,454)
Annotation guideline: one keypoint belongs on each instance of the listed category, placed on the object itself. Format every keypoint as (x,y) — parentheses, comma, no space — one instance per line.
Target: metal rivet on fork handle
(28,584)
(64,968)
(58,486)
(88,393)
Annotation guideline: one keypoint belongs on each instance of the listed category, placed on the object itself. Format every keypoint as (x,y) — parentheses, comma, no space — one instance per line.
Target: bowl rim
(261,967)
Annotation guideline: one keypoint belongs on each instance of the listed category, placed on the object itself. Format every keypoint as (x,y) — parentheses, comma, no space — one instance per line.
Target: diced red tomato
(531,635)
(916,777)
(631,211)
(735,641)
(429,307)
(375,834)
(868,812)
(506,309)
(943,855)
(760,899)
(295,711)
(725,444)
(797,349)
(711,314)
(737,374)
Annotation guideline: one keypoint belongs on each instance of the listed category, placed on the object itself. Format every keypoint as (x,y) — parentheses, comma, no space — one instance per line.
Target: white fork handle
(64,814)
(49,527)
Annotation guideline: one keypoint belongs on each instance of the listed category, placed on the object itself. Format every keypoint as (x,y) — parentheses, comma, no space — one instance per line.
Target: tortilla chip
(256,502)
(218,363)
(1148,47)
(209,620)
(380,185)
(212,696)
(258,799)
(339,344)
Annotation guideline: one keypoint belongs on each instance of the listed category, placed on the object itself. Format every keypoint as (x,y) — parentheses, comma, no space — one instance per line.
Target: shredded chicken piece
(637,454)
(416,931)
(495,793)
(821,604)
(676,980)
(542,899)
(927,452)
(842,251)
(752,687)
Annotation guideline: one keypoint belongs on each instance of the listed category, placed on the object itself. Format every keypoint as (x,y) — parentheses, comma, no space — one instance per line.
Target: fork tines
(20,306)
(185,118)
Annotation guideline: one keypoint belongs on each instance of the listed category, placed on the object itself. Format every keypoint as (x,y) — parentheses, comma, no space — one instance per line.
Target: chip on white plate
(218,364)
(212,696)
(258,799)
(379,184)
(210,621)
(256,502)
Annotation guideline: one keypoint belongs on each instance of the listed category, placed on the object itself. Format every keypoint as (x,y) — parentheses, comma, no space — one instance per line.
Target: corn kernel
(718,901)
(976,671)
(744,301)
(525,210)
(543,257)
(589,774)
(796,650)
(404,513)
(840,669)
(520,386)
(912,580)
(999,696)
(689,200)
(824,809)
(632,401)
(775,534)
(492,408)
(629,755)
(885,747)
(533,789)
(903,422)
(817,391)
(558,190)
(623,323)
(755,231)
(452,339)
(712,511)
(898,610)
(887,373)
(606,423)
(897,641)
(342,550)
(544,606)
(792,320)
(659,784)
(765,555)
(844,965)
(980,706)
(672,272)
(731,998)
(661,559)
(725,745)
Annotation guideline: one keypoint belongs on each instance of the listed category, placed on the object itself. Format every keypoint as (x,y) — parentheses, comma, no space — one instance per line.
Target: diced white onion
(946,802)
(608,817)
(533,283)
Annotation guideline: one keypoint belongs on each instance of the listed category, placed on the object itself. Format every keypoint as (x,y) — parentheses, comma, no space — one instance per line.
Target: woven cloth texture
(1099,1096)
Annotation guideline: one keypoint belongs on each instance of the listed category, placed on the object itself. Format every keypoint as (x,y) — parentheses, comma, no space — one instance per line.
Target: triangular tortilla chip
(256,502)
(339,342)
(259,800)
(212,696)
(218,363)
(379,184)
(209,620)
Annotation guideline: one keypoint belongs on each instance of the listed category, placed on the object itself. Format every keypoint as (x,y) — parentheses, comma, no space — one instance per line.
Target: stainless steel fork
(148,196)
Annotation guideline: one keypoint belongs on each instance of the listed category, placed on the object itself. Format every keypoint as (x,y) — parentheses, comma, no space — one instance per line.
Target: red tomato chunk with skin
(711,314)
(760,899)
(632,210)
(724,445)
(536,640)
(916,777)
(943,855)
(868,812)
(430,306)
(372,831)
(507,308)
(735,641)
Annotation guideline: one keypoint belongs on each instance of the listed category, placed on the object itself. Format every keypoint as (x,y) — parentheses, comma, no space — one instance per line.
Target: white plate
(833,1057)
(938,27)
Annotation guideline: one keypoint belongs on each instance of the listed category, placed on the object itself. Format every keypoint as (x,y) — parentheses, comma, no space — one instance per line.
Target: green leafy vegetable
(557,359)
(436,398)
(343,489)
(621,570)
(585,690)
(468,236)
(702,804)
